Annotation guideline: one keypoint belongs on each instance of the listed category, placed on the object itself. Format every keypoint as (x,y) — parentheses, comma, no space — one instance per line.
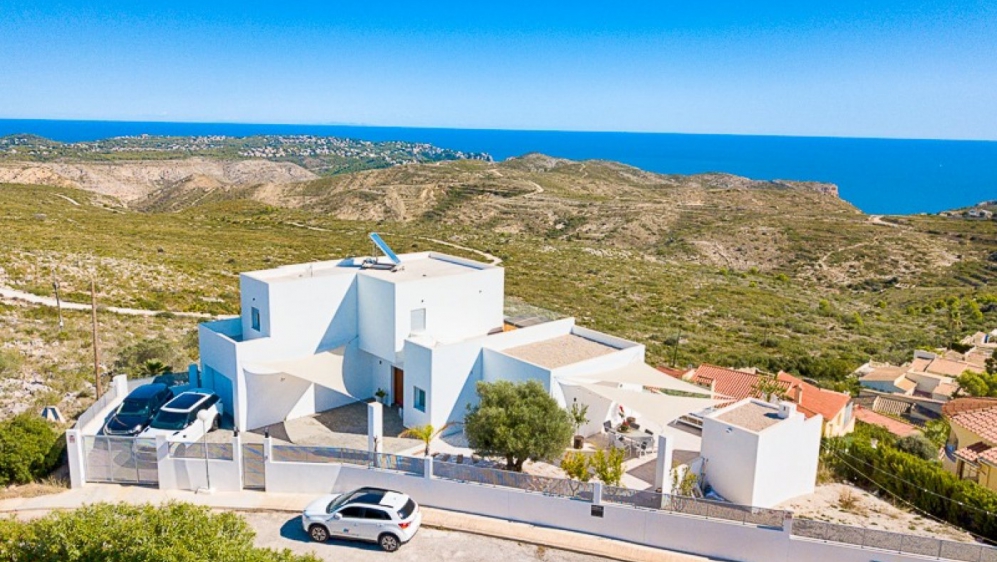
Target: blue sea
(883,176)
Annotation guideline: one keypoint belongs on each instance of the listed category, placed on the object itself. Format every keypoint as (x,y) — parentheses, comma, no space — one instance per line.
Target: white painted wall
(788,453)
(254,293)
(311,314)
(731,463)
(761,468)
(376,322)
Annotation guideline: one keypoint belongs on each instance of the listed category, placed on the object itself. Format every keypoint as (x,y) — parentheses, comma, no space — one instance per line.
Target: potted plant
(579,417)
(381,396)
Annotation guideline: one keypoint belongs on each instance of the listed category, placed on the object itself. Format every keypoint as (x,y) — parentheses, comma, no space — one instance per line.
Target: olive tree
(517,422)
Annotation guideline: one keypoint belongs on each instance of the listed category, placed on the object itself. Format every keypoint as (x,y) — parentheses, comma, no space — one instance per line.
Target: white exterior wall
(731,464)
(788,453)
(761,468)
(928,382)
(312,314)
(254,293)
(376,322)
(458,307)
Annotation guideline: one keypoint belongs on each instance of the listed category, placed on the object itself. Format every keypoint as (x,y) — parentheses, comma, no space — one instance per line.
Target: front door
(398,386)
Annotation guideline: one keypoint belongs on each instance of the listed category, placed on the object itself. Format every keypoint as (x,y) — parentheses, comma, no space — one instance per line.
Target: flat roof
(559,351)
(413,267)
(885,374)
(751,416)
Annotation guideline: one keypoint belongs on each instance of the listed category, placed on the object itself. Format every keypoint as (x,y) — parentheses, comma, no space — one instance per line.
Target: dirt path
(8,294)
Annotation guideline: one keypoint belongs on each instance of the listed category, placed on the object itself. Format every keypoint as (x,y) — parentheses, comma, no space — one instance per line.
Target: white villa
(425,329)
(761,454)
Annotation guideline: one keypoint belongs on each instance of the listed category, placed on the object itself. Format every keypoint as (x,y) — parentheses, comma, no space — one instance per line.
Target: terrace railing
(216,451)
(894,542)
(528,482)
(383,461)
(746,515)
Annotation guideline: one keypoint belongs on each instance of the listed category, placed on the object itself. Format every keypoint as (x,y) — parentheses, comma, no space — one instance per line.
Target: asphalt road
(282,530)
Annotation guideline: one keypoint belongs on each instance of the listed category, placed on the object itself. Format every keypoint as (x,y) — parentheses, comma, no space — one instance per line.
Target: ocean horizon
(879,176)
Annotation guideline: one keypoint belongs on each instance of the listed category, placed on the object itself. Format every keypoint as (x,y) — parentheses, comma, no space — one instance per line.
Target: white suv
(369,514)
(177,419)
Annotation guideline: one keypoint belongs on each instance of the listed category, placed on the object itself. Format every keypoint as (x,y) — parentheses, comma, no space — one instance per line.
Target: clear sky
(888,68)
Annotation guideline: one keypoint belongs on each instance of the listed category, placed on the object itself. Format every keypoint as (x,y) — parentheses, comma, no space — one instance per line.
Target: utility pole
(96,353)
(58,302)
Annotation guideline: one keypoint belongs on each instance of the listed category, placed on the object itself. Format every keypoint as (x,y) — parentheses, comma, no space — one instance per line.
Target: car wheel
(318,533)
(214,423)
(389,542)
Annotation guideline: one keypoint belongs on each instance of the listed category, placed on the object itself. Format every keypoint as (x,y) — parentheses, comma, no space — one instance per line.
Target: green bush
(132,359)
(175,532)
(925,484)
(919,446)
(29,449)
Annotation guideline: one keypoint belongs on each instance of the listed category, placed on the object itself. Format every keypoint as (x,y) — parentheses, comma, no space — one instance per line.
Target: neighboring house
(760,454)
(731,385)
(914,410)
(929,375)
(425,329)
(894,426)
(888,379)
(971,452)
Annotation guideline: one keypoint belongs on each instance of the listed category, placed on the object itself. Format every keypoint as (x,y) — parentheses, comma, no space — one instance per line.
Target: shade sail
(659,408)
(644,375)
(324,368)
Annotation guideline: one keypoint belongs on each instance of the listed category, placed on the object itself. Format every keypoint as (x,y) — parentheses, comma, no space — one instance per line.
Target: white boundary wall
(705,537)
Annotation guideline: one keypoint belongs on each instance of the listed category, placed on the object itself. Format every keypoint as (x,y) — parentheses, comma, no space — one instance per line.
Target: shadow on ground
(292,531)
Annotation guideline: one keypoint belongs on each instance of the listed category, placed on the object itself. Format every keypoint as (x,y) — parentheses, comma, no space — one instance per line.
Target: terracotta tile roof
(973,452)
(827,403)
(885,405)
(906,384)
(673,372)
(959,405)
(919,365)
(738,385)
(989,456)
(896,427)
(945,389)
(944,367)
(981,422)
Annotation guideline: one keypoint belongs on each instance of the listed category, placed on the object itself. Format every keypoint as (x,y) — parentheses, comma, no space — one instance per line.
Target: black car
(138,409)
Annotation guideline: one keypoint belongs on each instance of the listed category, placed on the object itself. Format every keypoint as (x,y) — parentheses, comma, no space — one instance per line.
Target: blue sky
(886,69)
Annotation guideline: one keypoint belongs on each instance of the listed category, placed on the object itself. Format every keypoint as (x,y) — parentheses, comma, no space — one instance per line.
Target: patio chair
(607,426)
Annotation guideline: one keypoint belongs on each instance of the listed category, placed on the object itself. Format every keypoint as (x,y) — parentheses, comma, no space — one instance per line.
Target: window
(419,320)
(352,512)
(419,399)
(372,513)
(256,318)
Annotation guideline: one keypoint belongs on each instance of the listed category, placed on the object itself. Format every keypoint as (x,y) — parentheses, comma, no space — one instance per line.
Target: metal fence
(123,460)
(894,542)
(253,467)
(215,451)
(305,454)
(746,515)
(550,486)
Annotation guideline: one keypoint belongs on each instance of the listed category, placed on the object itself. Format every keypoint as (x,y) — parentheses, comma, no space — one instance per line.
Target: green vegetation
(517,422)
(29,449)
(608,465)
(875,459)
(150,357)
(978,384)
(576,465)
(425,433)
(175,532)
(324,155)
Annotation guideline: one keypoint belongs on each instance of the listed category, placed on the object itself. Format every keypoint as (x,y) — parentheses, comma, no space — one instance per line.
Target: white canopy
(644,375)
(659,408)
(324,368)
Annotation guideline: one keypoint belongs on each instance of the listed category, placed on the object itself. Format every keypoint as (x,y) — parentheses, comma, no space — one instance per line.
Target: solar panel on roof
(185,401)
(383,246)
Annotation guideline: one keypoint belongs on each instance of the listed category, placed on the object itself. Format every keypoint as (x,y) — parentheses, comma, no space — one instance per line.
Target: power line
(908,482)
(908,503)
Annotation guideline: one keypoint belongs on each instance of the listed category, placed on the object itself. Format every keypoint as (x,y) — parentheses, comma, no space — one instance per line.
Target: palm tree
(425,433)
(154,367)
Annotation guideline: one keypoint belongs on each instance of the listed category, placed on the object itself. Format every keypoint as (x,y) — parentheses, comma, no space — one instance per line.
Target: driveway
(279,531)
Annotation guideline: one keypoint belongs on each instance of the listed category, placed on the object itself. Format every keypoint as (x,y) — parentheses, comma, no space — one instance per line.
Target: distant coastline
(881,176)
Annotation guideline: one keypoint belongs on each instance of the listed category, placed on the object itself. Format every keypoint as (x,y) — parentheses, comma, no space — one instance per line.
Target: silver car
(387,518)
